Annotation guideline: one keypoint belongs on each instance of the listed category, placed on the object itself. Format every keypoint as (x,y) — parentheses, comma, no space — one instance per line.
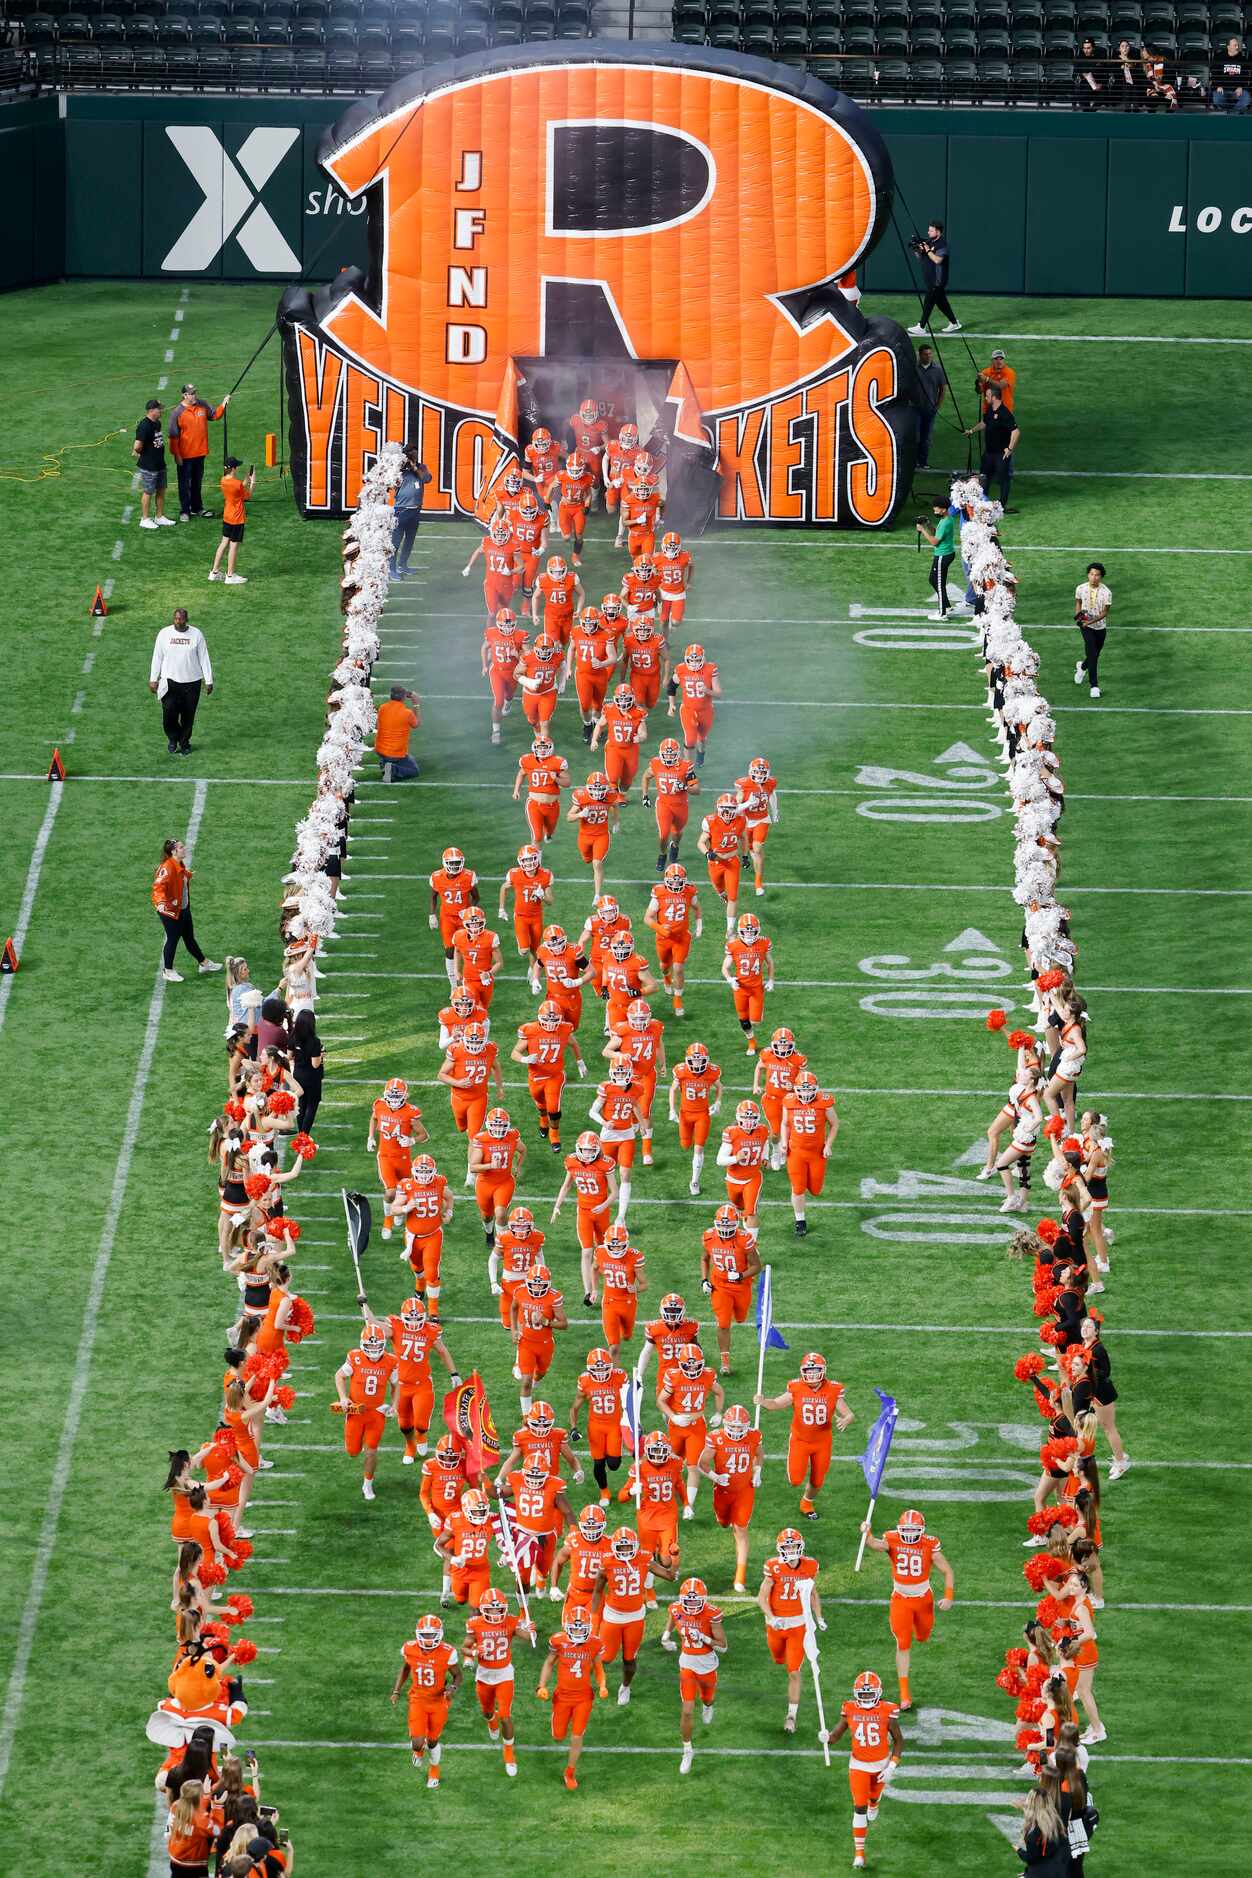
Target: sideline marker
(99,607)
(8,959)
(56,769)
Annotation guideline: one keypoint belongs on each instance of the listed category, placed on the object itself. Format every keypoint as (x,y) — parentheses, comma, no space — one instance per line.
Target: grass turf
(1149,806)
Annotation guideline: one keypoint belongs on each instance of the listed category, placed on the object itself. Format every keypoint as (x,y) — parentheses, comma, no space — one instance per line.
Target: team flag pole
(510,1558)
(631,1421)
(812,1652)
(767,1337)
(874,1459)
(356,1210)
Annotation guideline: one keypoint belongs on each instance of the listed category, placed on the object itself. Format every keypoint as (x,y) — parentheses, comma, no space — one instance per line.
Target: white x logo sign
(228,198)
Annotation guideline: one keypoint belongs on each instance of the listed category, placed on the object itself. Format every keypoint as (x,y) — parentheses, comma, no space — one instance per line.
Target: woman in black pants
(1092,600)
(308,1068)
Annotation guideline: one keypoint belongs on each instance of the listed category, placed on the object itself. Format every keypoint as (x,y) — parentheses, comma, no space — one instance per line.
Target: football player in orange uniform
(414,1338)
(618,452)
(537,1311)
(722,838)
(600,1387)
(489,1638)
(466,1069)
(577,1657)
(529,521)
(645,662)
(424,1207)
(623,1600)
(670,778)
(540,1438)
(682,1396)
(442,1487)
(694,1095)
(588,428)
(502,565)
(540,1507)
(620,1269)
(559,592)
(773,1079)
(877,1746)
(622,725)
(504,641)
(593,1176)
(674,571)
(364,1383)
(395,1124)
(912,1551)
(544,774)
(566,970)
(640,1037)
(457,1015)
(744,1153)
(453,888)
(574,486)
(435,1671)
(666,1335)
(530,883)
(733,1458)
(757,795)
(641,590)
(464,1545)
(616,1113)
(790,1605)
(517,1250)
(497,1155)
(641,505)
(696,682)
(590,658)
(542,457)
(583,1552)
(593,810)
(818,1406)
(672,909)
(809,1127)
(605,920)
(476,956)
(624,979)
(729,1264)
(748,968)
(539,675)
(701,1640)
(541,1046)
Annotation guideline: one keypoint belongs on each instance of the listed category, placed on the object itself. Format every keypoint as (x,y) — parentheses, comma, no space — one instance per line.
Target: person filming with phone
(236,492)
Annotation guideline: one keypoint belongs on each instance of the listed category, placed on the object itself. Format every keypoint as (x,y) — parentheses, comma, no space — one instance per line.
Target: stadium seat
(507,33)
(310,67)
(1058,79)
(893,41)
(1060,16)
(148,65)
(792,42)
(109,29)
(926,42)
(961,43)
(856,77)
(927,78)
(238,31)
(346,10)
(340,35)
(173,32)
(691,33)
(1227,21)
(994,78)
(307,33)
(959,18)
(206,30)
(927,13)
(82,64)
(73,26)
(793,13)
(117,65)
(995,44)
(343,67)
(758,40)
(216,65)
(1027,14)
(573,22)
(960,77)
(1028,78)
(1092,19)
(858,40)
(1058,45)
(894,13)
(892,79)
(1026,44)
(1193,45)
(828,39)
(373,36)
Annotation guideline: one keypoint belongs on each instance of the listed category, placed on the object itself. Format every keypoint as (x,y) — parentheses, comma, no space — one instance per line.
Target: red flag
(468,1418)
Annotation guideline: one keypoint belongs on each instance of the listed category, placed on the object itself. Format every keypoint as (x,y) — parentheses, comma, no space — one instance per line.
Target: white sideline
(1092,711)
(15,1694)
(842,886)
(55,791)
(754,1753)
(1108,1095)
(983,1201)
(1023,1330)
(977,1604)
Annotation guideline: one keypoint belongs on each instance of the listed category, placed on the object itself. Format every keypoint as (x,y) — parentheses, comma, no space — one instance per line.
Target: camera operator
(944,540)
(932,251)
(1000,439)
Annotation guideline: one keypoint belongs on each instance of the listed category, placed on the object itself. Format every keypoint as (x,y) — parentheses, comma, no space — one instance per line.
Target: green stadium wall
(1036,202)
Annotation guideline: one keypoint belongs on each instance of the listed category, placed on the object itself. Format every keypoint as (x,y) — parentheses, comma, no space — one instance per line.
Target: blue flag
(766,1334)
(878,1447)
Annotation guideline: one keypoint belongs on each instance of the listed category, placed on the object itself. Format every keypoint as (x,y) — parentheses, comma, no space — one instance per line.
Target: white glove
(821,1623)
(721,1480)
(554,1594)
(454,1380)
(433,1522)
(433,921)
(667,1643)
(715,1421)
(579,1476)
(706,1287)
(582,1070)
(464,573)
(495,1291)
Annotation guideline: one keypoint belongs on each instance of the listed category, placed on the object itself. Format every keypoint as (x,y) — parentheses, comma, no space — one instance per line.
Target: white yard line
(1108,1095)
(1101,339)
(977,1604)
(1027,1329)
(1090,711)
(55,791)
(748,1753)
(15,1694)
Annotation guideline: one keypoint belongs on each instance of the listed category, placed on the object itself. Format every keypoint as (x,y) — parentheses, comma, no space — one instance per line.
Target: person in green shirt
(943,541)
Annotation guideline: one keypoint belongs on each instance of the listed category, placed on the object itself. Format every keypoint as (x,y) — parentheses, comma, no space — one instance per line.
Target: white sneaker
(1079,674)
(760,893)
(172,977)
(510,1768)
(147,522)
(647,1160)
(505,708)
(953,326)
(689,1754)
(706,1713)
(517,1374)
(163,521)
(1119,1467)
(432,1779)
(210,965)
(1102,1265)
(789,1725)
(385,1233)
(236,580)
(1095,691)
(693,1187)
(1091,1737)
(623,1696)
(1033,1543)
(918,332)
(936,616)
(367,1488)
(871,1813)
(1093,1291)
(984,1173)
(264,1466)
(1016,1203)
(244,1532)
(495,733)
(214,575)
(1097,1604)
(408,1460)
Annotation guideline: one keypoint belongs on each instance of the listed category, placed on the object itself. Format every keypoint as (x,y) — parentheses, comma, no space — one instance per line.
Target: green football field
(894,933)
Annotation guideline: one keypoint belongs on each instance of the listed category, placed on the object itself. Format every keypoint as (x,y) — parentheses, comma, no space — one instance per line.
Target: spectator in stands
(932,386)
(1000,373)
(1089,77)
(1230,80)
(934,257)
(410,494)
(398,718)
(1000,438)
(189,447)
(1156,83)
(1126,81)
(149,453)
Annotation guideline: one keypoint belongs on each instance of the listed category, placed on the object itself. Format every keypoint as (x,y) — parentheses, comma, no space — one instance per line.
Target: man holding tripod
(932,252)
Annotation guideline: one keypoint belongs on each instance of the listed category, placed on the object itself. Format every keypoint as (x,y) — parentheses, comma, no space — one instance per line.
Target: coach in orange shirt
(189,446)
(398,718)
(999,373)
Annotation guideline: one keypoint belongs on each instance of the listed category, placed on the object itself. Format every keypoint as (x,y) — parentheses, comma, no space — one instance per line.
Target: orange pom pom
(256,1186)
(996,1020)
(1028,1367)
(244,1651)
(304,1146)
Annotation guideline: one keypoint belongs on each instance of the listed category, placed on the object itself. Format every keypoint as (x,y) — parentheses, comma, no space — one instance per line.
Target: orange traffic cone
(8,958)
(98,608)
(56,769)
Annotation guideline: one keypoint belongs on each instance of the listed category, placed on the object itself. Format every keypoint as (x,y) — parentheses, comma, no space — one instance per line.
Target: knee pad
(554,1115)
(613,1462)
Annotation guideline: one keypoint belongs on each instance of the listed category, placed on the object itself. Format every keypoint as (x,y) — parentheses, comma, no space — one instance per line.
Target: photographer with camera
(1000,438)
(932,251)
(944,540)
(235,493)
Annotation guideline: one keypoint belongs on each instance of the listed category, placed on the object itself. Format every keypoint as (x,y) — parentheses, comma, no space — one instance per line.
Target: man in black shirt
(933,255)
(148,450)
(1230,80)
(932,389)
(1000,439)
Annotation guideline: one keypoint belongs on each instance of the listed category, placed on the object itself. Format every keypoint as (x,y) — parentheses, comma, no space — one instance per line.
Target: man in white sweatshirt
(180,662)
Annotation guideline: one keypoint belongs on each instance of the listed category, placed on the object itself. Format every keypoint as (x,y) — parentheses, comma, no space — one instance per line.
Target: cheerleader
(1058,1708)
(1023,1111)
(244,1416)
(1055,1462)
(1069,1016)
(1075,1603)
(188,1593)
(234,1204)
(1096,1391)
(1095,1163)
(298,984)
